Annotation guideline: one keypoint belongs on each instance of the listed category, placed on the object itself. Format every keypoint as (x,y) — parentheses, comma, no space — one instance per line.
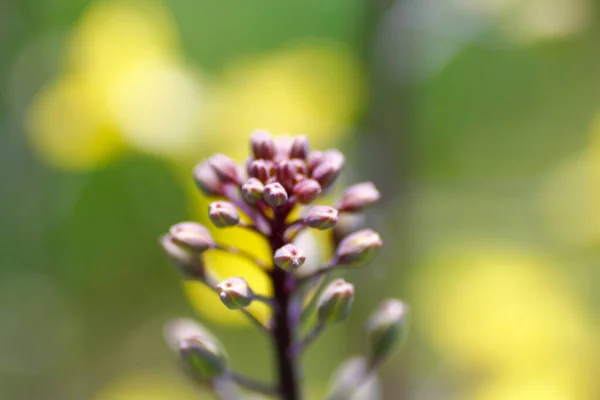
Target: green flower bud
(188,260)
(207,180)
(192,235)
(262,144)
(299,147)
(235,293)
(386,328)
(359,196)
(289,258)
(335,301)
(202,359)
(224,167)
(223,214)
(252,190)
(307,191)
(274,194)
(321,217)
(201,354)
(358,247)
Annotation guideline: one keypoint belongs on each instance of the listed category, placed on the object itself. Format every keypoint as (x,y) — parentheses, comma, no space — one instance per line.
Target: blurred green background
(477,119)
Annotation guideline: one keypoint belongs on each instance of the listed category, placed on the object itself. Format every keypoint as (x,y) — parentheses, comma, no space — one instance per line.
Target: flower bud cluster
(281,175)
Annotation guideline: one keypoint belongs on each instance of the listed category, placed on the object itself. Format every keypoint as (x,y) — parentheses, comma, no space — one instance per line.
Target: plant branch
(252,384)
(310,337)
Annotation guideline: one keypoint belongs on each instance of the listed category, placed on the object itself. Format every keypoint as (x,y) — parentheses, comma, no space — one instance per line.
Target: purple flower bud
(224,167)
(358,248)
(261,170)
(307,191)
(286,173)
(187,260)
(299,147)
(202,358)
(289,258)
(335,301)
(321,217)
(207,180)
(386,328)
(192,235)
(359,196)
(314,159)
(329,169)
(283,145)
(235,293)
(263,145)
(223,214)
(252,190)
(274,194)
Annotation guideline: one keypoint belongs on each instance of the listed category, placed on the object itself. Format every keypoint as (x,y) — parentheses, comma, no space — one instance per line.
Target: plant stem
(284,322)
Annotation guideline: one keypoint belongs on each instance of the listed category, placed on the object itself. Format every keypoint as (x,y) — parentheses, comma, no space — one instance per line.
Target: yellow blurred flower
(499,310)
(124,85)
(314,89)
(154,386)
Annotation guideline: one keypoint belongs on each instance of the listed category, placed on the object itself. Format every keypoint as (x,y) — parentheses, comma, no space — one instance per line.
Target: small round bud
(353,380)
(359,196)
(223,214)
(321,217)
(261,170)
(286,173)
(307,191)
(252,190)
(386,327)
(299,147)
(235,293)
(358,247)
(283,145)
(188,260)
(192,235)
(289,258)
(207,179)
(262,144)
(314,159)
(224,167)
(329,169)
(202,358)
(335,301)
(274,194)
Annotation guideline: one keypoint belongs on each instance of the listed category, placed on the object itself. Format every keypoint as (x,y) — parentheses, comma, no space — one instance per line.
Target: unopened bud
(263,145)
(335,301)
(283,145)
(224,167)
(223,214)
(188,261)
(274,194)
(299,147)
(307,191)
(289,258)
(261,170)
(192,235)
(359,196)
(235,293)
(358,247)
(202,358)
(321,217)
(386,328)
(329,168)
(286,173)
(252,190)
(314,159)
(353,380)
(207,179)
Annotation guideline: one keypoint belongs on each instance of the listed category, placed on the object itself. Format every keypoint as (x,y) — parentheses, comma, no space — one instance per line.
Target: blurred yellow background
(478,120)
